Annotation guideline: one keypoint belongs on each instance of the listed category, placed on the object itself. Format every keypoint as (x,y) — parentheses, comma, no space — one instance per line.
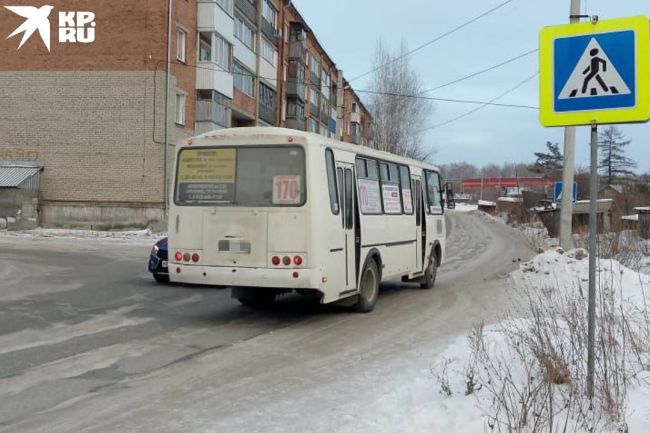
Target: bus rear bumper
(246,277)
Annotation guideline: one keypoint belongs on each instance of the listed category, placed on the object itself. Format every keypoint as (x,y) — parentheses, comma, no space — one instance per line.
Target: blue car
(158,261)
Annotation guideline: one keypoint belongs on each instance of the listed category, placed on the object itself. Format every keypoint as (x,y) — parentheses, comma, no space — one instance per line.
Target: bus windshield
(241,176)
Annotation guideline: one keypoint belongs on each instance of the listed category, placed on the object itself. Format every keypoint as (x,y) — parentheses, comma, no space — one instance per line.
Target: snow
(464,207)
(486,203)
(128,236)
(630,217)
(510,199)
(411,397)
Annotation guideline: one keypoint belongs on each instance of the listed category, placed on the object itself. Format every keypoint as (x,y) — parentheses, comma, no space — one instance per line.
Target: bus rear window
(241,176)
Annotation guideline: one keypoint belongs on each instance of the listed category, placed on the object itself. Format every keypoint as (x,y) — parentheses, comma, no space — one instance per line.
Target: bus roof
(269,131)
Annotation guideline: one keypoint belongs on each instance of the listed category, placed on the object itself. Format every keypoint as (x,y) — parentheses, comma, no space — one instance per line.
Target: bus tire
(429,278)
(368,287)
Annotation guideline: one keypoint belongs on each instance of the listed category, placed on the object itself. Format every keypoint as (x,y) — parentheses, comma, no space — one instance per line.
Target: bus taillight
(187,257)
(275,260)
(286,260)
(195,258)
(178,256)
(297,260)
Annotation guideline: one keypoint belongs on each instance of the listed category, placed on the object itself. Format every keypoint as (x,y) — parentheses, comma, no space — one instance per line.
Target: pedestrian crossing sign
(595,72)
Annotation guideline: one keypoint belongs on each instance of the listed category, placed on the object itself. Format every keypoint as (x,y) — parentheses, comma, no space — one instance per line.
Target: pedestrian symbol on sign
(594,75)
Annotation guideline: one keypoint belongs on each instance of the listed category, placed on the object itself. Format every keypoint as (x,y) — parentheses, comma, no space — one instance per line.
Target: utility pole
(568,171)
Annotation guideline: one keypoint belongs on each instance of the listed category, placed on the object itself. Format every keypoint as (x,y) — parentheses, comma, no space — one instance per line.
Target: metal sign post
(593,233)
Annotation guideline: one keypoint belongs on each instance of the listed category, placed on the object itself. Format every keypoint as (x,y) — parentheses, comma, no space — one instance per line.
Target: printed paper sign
(392,203)
(369,196)
(408,200)
(286,190)
(207,165)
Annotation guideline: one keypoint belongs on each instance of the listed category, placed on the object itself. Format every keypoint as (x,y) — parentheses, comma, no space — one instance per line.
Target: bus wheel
(429,278)
(368,288)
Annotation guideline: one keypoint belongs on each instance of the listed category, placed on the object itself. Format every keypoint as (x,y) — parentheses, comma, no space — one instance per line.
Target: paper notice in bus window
(408,200)
(206,175)
(207,165)
(392,203)
(286,190)
(369,196)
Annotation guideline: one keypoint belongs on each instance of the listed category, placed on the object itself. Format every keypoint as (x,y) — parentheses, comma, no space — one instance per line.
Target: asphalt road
(89,343)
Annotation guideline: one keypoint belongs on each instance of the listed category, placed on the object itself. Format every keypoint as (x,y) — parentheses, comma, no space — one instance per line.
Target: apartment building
(102,117)
(357,120)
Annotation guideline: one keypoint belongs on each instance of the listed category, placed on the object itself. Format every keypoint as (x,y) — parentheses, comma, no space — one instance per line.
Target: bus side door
(416,187)
(345,176)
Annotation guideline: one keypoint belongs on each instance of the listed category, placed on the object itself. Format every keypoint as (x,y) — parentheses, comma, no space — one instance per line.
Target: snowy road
(88,343)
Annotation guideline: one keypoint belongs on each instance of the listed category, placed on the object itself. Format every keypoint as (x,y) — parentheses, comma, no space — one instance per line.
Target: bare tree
(613,161)
(398,118)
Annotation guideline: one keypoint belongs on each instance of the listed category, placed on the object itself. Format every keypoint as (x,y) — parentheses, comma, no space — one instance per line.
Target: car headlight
(154,250)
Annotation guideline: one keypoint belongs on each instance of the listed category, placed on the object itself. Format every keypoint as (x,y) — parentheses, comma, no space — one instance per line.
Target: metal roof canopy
(20,174)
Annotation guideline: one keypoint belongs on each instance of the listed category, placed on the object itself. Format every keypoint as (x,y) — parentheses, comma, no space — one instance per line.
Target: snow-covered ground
(131,236)
(416,401)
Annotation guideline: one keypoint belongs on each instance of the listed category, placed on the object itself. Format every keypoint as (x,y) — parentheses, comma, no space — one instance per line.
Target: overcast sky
(349,29)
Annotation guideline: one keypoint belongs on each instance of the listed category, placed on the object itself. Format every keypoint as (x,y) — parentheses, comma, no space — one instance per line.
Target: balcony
(355,117)
(315,79)
(298,51)
(295,123)
(247,9)
(211,112)
(270,32)
(355,138)
(267,113)
(296,89)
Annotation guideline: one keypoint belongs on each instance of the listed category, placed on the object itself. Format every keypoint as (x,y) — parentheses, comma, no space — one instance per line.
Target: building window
(205,47)
(269,13)
(181,39)
(314,65)
(268,52)
(242,79)
(180,108)
(354,107)
(313,96)
(326,84)
(313,125)
(222,52)
(226,5)
(295,109)
(267,96)
(244,33)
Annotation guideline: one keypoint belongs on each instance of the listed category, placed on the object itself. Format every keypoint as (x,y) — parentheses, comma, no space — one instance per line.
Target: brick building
(96,117)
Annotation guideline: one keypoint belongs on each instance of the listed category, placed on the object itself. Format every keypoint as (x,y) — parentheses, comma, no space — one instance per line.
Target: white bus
(267,211)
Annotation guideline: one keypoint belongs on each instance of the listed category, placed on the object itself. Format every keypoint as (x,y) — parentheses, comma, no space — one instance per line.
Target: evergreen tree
(551,163)
(613,162)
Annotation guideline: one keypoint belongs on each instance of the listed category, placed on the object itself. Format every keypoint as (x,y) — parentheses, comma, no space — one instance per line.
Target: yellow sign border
(639,113)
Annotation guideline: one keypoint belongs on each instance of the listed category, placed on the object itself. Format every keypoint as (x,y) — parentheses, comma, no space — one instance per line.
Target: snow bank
(464,207)
(135,236)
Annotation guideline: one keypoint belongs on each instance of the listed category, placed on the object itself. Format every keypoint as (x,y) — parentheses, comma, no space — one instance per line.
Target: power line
(434,40)
(491,102)
(458,101)
(483,71)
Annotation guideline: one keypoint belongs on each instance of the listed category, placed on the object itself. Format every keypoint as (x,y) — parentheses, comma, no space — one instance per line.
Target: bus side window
(331,181)
(339,175)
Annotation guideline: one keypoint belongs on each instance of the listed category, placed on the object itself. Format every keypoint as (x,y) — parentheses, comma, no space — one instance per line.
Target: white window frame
(242,29)
(181,44)
(181,102)
(268,52)
(270,13)
(220,48)
(226,5)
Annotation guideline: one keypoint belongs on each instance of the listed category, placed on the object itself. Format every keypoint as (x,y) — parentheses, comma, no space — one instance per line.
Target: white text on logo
(76,27)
